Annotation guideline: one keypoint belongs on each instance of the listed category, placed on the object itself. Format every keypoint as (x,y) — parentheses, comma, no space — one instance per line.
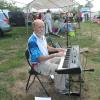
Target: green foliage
(3,4)
(89,4)
(10,6)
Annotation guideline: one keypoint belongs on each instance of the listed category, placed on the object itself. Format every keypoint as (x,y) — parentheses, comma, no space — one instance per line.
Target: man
(39,49)
(48,21)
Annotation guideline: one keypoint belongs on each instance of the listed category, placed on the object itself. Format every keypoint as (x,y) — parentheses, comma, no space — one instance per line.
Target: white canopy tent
(47,4)
(65,5)
(51,4)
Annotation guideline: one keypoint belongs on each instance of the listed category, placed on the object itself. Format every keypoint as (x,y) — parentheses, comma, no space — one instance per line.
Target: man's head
(48,11)
(38,26)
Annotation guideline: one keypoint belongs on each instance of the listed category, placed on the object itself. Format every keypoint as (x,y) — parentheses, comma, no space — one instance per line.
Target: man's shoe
(51,78)
(63,91)
(67,92)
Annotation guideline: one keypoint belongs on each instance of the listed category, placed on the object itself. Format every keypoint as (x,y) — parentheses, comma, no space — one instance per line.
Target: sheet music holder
(42,98)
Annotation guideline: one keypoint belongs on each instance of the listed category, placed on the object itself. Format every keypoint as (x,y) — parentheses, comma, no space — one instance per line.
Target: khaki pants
(48,67)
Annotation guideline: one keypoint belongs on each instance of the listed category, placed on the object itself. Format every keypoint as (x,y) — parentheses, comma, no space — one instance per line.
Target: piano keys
(70,63)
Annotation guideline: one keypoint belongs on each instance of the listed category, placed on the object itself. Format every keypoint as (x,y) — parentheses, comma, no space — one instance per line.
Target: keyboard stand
(70,93)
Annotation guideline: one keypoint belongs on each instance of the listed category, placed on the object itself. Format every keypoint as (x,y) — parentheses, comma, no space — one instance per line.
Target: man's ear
(33,25)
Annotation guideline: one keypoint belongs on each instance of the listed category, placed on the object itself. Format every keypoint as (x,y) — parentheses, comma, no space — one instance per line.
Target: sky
(96,3)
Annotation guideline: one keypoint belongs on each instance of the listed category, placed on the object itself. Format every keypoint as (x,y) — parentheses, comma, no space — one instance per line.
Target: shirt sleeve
(34,51)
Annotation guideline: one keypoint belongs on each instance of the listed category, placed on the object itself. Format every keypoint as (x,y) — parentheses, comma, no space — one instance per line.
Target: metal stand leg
(69,85)
(28,82)
(80,86)
(27,85)
(43,86)
(75,93)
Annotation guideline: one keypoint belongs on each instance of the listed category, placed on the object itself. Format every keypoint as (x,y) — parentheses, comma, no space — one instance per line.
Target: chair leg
(43,86)
(28,85)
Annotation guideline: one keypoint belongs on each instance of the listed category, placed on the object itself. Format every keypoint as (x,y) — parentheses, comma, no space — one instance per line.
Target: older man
(38,48)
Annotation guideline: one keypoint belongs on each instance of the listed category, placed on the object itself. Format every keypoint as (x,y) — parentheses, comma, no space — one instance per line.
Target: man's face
(39,28)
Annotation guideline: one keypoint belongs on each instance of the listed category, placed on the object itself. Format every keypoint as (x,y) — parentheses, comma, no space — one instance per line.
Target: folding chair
(33,72)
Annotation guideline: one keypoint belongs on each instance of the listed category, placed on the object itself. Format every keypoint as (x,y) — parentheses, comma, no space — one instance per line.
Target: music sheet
(42,98)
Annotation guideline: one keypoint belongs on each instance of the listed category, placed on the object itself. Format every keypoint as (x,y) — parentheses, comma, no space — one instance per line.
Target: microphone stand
(67,34)
(68,22)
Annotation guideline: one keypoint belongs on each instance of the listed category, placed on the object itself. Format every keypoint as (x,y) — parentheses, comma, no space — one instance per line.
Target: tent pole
(27,21)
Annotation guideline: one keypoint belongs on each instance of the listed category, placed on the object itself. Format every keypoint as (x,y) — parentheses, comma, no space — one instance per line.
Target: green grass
(4,94)
(11,64)
(12,48)
(95,56)
(13,45)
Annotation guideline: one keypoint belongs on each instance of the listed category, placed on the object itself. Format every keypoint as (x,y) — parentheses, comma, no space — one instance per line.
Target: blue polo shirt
(37,47)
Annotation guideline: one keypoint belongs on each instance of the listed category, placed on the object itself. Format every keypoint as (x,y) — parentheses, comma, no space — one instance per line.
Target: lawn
(13,65)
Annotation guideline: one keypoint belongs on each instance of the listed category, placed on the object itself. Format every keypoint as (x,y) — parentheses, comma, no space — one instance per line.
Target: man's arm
(43,58)
(55,52)
(52,49)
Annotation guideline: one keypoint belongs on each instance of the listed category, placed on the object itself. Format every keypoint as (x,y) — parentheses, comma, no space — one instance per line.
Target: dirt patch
(18,89)
(98,39)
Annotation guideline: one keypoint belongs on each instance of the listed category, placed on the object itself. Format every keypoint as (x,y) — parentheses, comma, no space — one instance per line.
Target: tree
(89,4)
(3,4)
(10,6)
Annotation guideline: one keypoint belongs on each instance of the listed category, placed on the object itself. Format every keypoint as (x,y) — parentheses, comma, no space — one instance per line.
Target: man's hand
(52,49)
(60,54)
(61,49)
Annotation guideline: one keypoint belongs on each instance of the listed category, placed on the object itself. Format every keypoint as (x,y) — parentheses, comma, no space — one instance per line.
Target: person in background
(47,63)
(40,16)
(56,25)
(48,21)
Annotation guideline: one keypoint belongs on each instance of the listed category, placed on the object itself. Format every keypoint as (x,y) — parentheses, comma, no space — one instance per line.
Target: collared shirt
(37,47)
